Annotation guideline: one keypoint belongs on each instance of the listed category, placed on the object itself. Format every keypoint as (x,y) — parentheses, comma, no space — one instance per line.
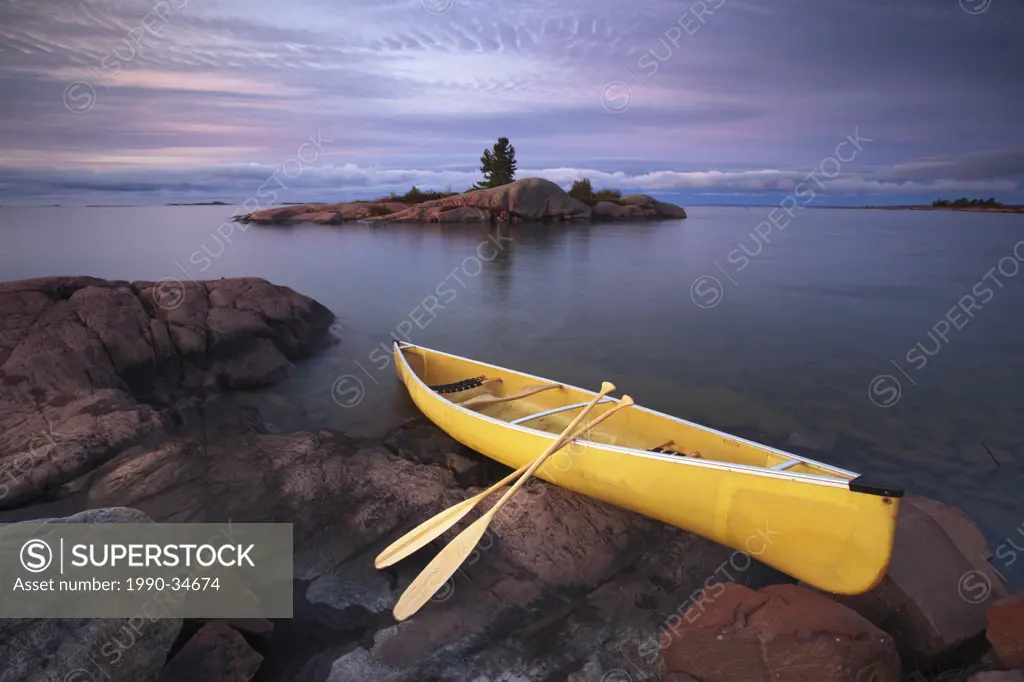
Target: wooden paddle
(491,399)
(431,529)
(458,550)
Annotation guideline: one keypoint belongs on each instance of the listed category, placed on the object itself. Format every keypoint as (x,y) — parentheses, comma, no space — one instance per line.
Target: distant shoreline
(193,203)
(966,209)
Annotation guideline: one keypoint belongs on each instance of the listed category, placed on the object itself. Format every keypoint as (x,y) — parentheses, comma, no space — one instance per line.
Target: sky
(715,101)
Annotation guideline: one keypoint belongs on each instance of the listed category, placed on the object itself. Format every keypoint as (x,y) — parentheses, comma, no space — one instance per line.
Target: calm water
(790,344)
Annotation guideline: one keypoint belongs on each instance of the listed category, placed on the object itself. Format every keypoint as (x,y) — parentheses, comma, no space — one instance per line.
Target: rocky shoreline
(527,200)
(112,409)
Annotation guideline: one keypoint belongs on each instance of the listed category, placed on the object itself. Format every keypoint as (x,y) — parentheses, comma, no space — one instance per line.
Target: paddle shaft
(430,579)
(558,445)
(433,527)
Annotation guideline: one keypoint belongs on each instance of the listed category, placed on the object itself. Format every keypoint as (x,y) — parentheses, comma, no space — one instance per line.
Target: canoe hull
(826,535)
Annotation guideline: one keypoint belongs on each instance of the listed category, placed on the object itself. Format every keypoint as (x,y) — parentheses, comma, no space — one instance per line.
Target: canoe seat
(464,385)
(458,386)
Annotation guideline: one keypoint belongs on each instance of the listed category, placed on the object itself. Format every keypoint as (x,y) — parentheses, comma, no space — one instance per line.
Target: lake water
(810,343)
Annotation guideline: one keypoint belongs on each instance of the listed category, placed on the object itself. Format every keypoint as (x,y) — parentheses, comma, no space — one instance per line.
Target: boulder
(437,212)
(1006,630)
(76,650)
(780,632)
(419,441)
(462,214)
(998,676)
(253,629)
(216,652)
(62,334)
(939,584)
(259,628)
(660,208)
(89,367)
(528,200)
(606,210)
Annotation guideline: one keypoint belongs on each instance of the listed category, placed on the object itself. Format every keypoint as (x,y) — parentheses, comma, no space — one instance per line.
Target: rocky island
(527,200)
(113,411)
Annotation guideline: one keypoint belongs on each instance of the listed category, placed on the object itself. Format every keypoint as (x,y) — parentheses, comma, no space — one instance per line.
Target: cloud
(714,98)
(328,182)
(979,166)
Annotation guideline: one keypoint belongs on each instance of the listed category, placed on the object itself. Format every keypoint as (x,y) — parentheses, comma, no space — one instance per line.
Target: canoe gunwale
(707,463)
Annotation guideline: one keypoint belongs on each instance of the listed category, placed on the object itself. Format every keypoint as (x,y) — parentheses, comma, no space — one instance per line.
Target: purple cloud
(137,97)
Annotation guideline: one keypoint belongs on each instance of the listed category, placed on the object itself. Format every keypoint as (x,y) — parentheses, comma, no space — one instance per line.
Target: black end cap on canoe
(870,486)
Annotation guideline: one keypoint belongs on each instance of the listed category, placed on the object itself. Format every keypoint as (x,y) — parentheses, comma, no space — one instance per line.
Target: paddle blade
(425,533)
(440,569)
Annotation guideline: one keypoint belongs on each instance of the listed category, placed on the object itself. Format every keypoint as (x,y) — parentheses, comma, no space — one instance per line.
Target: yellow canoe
(818,523)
